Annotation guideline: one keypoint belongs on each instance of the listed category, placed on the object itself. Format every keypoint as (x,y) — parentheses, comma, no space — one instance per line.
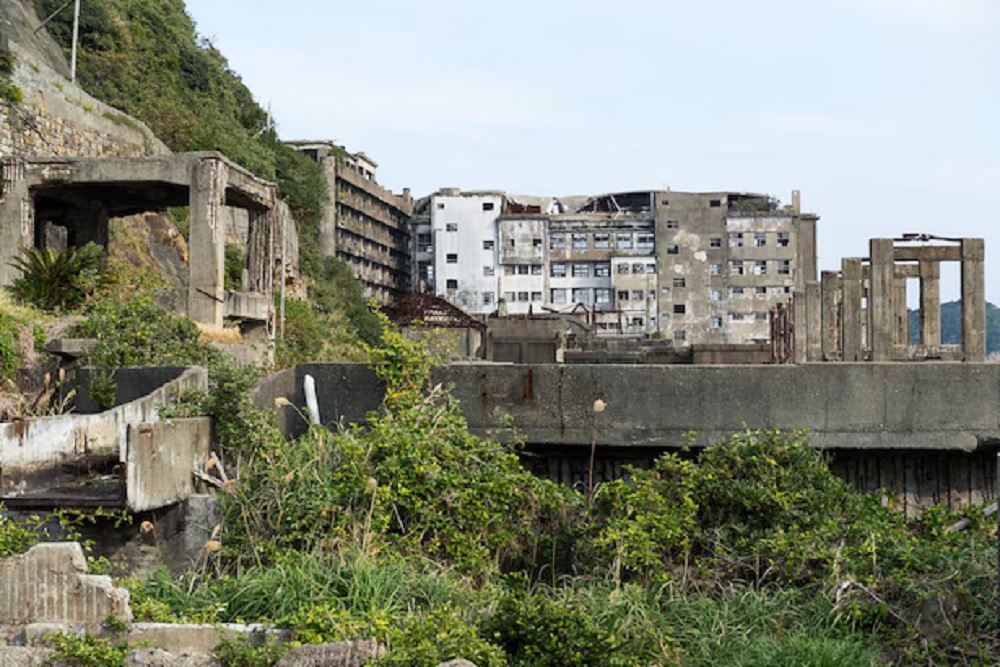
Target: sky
(884,113)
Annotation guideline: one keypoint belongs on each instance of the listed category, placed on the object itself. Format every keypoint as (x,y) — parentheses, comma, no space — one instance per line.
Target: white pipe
(76,37)
(309,388)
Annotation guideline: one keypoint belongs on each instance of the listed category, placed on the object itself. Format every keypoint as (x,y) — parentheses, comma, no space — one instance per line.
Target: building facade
(693,267)
(365,225)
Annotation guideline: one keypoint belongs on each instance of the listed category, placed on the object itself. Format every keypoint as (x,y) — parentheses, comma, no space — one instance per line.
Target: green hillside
(951,325)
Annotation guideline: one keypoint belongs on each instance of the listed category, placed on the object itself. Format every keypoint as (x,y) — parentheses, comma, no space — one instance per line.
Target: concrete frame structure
(860,313)
(81,194)
(364,224)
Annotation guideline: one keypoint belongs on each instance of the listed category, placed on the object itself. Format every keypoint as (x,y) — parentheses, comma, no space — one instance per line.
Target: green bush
(10,356)
(64,280)
(304,336)
(233,271)
(427,640)
(86,650)
(248,653)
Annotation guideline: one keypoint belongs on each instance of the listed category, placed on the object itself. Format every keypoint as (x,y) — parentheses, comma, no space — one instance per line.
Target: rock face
(339,654)
(23,656)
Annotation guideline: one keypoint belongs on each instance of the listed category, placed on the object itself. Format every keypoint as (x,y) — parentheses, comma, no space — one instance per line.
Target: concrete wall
(930,406)
(473,223)
(160,458)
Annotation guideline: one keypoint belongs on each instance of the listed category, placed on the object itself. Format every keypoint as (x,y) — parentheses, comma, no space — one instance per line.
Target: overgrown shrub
(427,640)
(10,356)
(304,337)
(63,279)
(234,265)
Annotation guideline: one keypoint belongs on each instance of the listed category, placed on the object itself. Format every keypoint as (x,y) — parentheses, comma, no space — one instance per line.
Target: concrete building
(363,224)
(699,268)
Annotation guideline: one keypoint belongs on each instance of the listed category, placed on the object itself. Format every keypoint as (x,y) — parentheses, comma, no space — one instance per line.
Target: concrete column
(17,218)
(900,321)
(814,328)
(327,238)
(930,303)
(852,287)
(805,251)
(881,299)
(206,286)
(973,300)
(832,326)
(800,324)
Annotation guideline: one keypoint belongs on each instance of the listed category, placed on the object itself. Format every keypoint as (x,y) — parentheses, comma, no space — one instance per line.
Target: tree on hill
(951,325)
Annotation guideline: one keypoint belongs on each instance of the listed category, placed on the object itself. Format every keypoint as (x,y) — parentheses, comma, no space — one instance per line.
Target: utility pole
(76,37)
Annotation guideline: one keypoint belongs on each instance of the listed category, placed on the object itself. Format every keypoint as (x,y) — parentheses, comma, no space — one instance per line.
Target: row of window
(716,295)
(716,322)
(759,240)
(576,269)
(601,240)
(758,267)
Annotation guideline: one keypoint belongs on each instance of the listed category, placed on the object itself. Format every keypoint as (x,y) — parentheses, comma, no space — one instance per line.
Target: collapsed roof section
(422,308)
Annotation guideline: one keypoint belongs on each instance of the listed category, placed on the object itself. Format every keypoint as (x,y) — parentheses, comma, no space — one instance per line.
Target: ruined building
(363,223)
(694,267)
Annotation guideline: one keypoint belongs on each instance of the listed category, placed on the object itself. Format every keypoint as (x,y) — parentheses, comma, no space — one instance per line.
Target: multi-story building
(363,224)
(696,267)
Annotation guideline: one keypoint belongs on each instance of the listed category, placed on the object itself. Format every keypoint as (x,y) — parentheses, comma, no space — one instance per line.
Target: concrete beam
(927,253)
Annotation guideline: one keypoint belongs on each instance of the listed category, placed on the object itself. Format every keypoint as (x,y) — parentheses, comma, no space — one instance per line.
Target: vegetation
(951,325)
(8,90)
(62,280)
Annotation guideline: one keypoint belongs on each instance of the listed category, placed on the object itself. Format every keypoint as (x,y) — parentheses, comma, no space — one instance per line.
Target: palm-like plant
(63,279)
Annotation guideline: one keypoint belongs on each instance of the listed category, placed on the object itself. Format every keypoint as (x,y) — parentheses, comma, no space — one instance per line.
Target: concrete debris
(339,654)
(155,657)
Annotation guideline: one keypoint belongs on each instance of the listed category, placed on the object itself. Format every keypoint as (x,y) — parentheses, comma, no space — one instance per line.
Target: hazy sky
(885,113)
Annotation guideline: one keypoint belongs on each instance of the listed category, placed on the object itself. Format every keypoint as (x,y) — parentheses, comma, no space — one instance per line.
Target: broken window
(715,323)
(637,321)
(522,296)
(679,308)
(673,224)
(651,295)
(451,283)
(665,291)
(522,269)
(508,270)
(736,268)
(451,258)
(488,271)
(508,297)
(536,243)
(623,295)
(759,240)
(558,270)
(673,249)
(760,290)
(602,241)
(557,241)
(558,296)
(736,240)
(715,242)
(736,317)
(488,245)
(760,267)
(440,205)
(638,268)
(715,203)
(536,269)
(646,242)
(715,269)
(623,269)
(579,241)
(784,267)
(783,239)
(511,243)
(735,291)
(602,295)
(487,206)
(680,336)
(637,295)
(451,227)
(624,241)
(679,282)
(714,295)
(602,270)
(581,270)
(650,268)
(487,298)
(581,295)
(761,316)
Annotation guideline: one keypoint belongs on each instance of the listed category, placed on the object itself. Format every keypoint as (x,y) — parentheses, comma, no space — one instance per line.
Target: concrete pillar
(900,321)
(881,299)
(832,325)
(814,326)
(17,218)
(327,237)
(805,251)
(973,300)
(206,285)
(930,303)
(852,287)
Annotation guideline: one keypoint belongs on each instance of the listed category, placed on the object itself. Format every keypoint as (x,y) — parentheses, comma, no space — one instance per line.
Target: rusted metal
(418,308)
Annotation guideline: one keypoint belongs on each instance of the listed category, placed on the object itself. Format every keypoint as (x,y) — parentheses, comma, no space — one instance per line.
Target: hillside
(951,325)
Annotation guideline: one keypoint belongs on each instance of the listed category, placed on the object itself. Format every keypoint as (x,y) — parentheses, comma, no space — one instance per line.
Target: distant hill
(951,325)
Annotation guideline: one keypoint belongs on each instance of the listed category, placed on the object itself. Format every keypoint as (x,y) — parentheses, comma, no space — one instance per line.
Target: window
(487,298)
(664,202)
(673,224)
(623,269)
(715,323)
(651,295)
(736,240)
(784,267)
(557,241)
(638,269)
(637,321)
(672,249)
(623,295)
(736,268)
(508,297)
(736,291)
(522,269)
(736,317)
(760,316)
(522,296)
(715,242)
(558,270)
(638,295)
(760,267)
(650,268)
(536,296)
(581,295)
(488,245)
(487,206)
(511,243)
(424,242)
(508,270)
(760,290)
(759,240)
(602,270)
(451,227)
(665,291)
(624,241)
(714,295)
(680,336)
(787,289)
(536,243)
(581,270)
(579,241)
(783,239)
(536,269)
(646,241)
(451,283)
(602,295)
(440,205)
(558,296)
(488,271)
(715,203)
(425,270)
(451,258)
(679,282)
(679,308)
(602,241)
(715,269)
